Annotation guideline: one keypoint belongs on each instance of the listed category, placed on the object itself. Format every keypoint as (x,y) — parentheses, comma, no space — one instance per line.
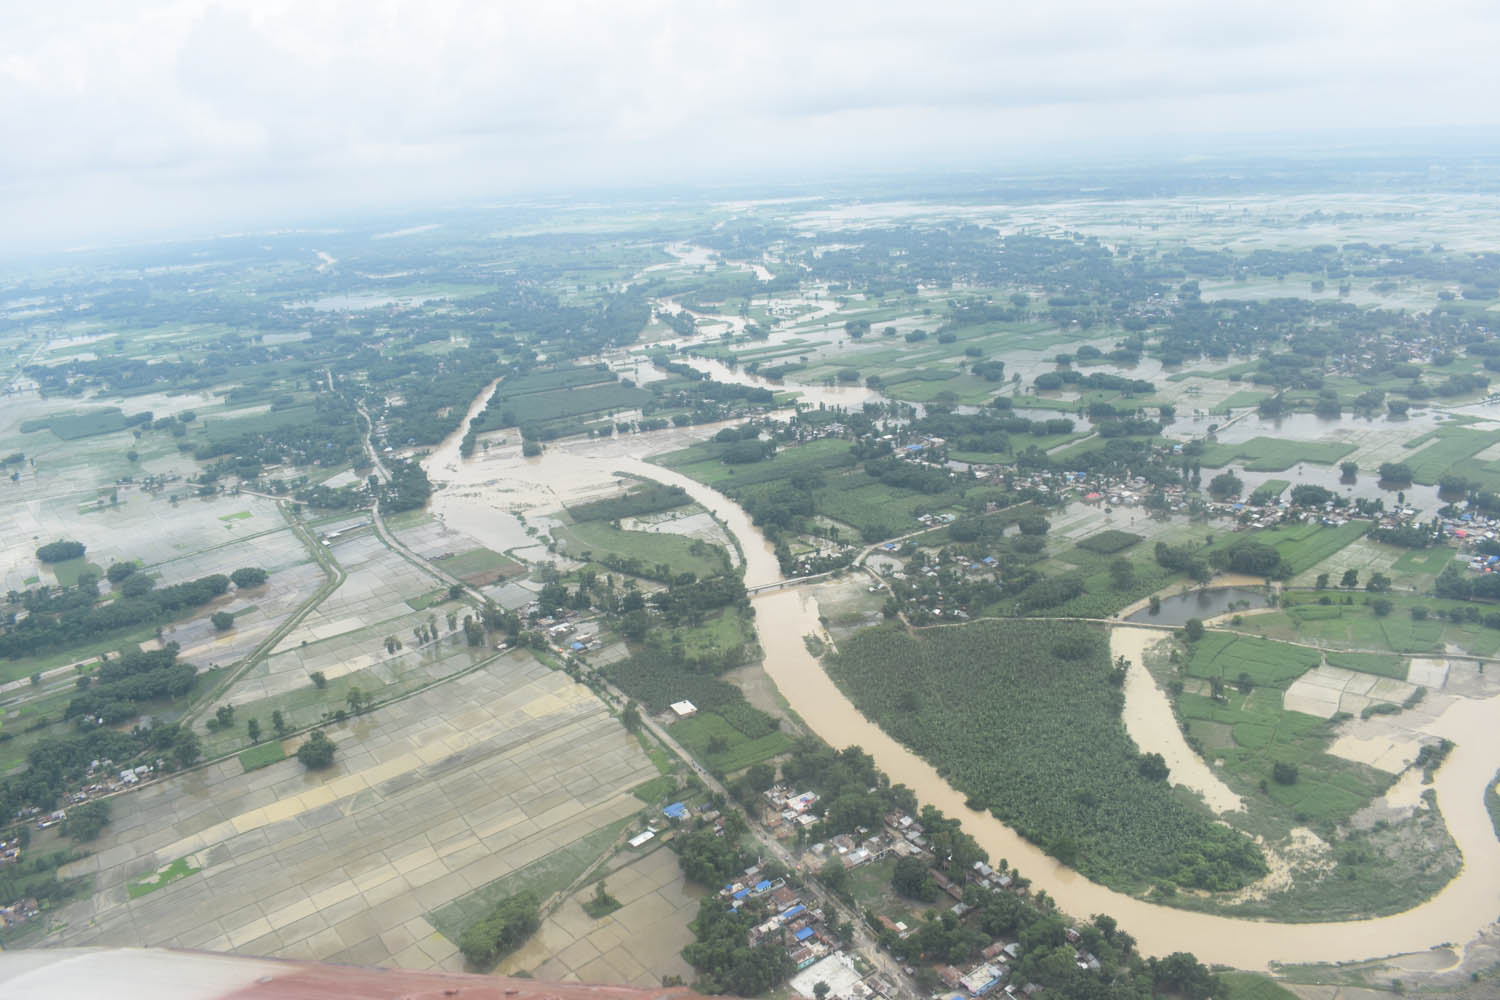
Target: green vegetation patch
(479,564)
(262,755)
(1248,677)
(1109,541)
(428,600)
(1268,454)
(1252,986)
(649,498)
(179,869)
(656,789)
(1356,625)
(1381,664)
(1268,491)
(642,553)
(1492,802)
(68,571)
(1427,562)
(72,426)
(725,748)
(1454,445)
(1301,546)
(549,874)
(1024,717)
(229,429)
(1221,656)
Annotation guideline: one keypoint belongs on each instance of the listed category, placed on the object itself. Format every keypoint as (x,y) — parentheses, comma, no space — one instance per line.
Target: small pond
(1200,604)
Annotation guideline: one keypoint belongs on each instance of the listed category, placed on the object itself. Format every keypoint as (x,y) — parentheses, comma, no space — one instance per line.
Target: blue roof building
(676,811)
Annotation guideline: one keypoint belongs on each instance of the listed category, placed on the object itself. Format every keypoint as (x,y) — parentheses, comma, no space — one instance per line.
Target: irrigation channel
(480,497)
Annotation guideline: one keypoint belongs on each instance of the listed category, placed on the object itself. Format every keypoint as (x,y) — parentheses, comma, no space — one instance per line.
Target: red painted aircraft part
(169,974)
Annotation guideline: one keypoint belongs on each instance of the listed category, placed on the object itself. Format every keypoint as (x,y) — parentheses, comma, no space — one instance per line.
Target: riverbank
(784,617)
(1150,722)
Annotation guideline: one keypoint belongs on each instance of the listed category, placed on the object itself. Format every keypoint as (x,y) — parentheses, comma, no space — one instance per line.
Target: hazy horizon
(177,118)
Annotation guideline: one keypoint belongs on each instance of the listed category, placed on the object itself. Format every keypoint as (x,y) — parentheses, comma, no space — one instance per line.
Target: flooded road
(483,488)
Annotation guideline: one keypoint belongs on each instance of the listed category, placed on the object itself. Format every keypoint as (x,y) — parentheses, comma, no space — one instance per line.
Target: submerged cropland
(924,591)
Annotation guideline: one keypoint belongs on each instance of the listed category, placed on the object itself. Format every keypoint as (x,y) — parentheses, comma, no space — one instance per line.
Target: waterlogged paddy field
(171,544)
(345,638)
(429,800)
(639,944)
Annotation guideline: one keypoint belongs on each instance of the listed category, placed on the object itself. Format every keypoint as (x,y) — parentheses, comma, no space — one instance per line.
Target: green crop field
(1225,657)
(1109,541)
(1269,490)
(480,563)
(546,875)
(1428,562)
(229,427)
(147,884)
(1252,986)
(1268,454)
(1382,664)
(1250,731)
(542,407)
(1453,446)
(261,755)
(735,751)
(73,426)
(1301,546)
(1355,625)
(649,548)
(655,790)
(1022,717)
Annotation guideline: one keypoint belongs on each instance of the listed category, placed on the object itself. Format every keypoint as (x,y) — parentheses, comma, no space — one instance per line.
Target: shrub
(248,576)
(501,930)
(316,751)
(59,551)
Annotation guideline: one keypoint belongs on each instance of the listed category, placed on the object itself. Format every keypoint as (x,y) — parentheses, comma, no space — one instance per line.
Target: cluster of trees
(1070,779)
(60,620)
(325,434)
(115,691)
(1183,559)
(59,551)
(316,752)
(1093,380)
(724,961)
(650,498)
(1250,557)
(500,931)
(408,489)
(55,764)
(713,859)
(1456,584)
(34,876)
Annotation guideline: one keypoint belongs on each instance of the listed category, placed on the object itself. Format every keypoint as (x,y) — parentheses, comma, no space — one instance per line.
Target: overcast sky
(142,115)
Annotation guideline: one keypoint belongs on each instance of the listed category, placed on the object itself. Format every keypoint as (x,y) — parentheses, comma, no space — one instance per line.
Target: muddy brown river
(480,494)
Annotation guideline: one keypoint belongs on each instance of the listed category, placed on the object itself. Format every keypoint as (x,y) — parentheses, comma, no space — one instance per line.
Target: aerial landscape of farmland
(927,593)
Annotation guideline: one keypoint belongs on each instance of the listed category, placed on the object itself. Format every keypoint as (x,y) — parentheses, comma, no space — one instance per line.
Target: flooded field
(1205,603)
(783,617)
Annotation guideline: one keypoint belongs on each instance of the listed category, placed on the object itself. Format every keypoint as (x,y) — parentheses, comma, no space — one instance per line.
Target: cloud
(181,101)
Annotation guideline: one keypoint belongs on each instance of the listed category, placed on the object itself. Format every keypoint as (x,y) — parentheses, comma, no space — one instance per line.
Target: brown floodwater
(479,490)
